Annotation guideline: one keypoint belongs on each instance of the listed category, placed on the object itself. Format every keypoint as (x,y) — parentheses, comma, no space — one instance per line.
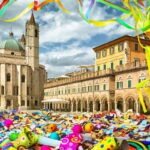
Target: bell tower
(32,42)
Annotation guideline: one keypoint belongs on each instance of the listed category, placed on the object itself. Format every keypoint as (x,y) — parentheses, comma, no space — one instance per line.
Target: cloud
(60,62)
(66,40)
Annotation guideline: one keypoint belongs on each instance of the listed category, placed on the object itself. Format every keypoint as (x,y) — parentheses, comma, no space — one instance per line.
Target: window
(112,65)
(23,103)
(120,85)
(129,83)
(104,53)
(8,77)
(65,91)
(136,46)
(136,60)
(142,77)
(73,90)
(36,33)
(28,103)
(112,50)
(78,90)
(104,67)
(68,91)
(36,103)
(89,88)
(23,78)
(98,55)
(98,68)
(120,47)
(104,87)
(83,89)
(14,90)
(120,62)
(2,90)
(28,90)
(96,88)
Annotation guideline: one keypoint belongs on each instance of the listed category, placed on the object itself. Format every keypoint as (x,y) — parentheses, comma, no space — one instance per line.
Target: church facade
(22,78)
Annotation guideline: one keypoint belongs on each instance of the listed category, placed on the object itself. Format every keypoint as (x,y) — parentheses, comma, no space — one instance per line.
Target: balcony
(92,75)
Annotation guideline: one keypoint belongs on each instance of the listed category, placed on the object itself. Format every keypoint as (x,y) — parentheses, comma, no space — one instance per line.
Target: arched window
(22,102)
(142,77)
(8,77)
(2,90)
(23,78)
(120,83)
(36,33)
(129,81)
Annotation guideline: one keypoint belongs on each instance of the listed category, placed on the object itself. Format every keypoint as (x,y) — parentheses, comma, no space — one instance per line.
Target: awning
(55,100)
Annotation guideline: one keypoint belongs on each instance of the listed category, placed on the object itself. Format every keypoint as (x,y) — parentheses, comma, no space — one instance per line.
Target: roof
(11,44)
(32,20)
(121,39)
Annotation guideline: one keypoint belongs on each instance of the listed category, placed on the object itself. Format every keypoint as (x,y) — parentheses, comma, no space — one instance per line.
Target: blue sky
(66,41)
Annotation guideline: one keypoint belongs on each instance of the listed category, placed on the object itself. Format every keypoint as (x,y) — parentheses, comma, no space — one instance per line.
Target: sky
(66,40)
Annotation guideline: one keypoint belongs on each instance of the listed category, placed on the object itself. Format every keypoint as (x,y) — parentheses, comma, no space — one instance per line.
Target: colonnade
(83,105)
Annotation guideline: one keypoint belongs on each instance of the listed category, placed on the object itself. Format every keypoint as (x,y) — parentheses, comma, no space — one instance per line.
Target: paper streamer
(37,8)
(4,6)
(141,24)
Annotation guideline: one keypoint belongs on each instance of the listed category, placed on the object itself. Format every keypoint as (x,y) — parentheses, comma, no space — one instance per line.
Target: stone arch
(74,104)
(97,103)
(79,104)
(104,101)
(130,102)
(84,103)
(8,103)
(119,103)
(90,103)
(68,107)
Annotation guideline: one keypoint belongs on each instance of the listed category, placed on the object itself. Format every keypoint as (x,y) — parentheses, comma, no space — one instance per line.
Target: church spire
(32,19)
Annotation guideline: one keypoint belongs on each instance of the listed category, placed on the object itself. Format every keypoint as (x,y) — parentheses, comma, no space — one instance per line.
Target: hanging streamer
(141,23)
(39,7)
(4,6)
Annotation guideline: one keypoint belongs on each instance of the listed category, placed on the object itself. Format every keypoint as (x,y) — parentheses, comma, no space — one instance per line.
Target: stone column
(81,106)
(76,105)
(109,103)
(71,106)
(115,104)
(54,106)
(101,106)
(88,105)
(137,107)
(124,106)
(93,105)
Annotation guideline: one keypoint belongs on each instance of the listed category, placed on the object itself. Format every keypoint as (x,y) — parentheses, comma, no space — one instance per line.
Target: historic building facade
(22,78)
(119,66)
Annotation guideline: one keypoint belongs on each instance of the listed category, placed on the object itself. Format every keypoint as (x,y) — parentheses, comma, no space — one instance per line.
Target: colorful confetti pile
(138,10)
